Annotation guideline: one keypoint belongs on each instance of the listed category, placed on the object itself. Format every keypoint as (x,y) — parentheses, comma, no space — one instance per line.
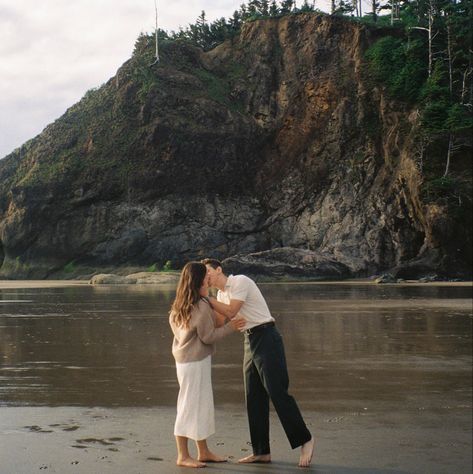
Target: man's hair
(212,262)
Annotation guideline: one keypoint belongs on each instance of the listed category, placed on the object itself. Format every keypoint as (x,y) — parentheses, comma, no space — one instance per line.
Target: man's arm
(237,323)
(220,319)
(228,310)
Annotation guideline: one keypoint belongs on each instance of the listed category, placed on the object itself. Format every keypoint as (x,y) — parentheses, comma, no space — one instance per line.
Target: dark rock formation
(286,263)
(273,139)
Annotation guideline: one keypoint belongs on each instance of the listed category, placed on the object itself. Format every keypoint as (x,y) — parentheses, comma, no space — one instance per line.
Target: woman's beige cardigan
(198,340)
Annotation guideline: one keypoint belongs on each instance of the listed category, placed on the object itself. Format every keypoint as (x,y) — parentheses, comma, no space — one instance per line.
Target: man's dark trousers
(266,377)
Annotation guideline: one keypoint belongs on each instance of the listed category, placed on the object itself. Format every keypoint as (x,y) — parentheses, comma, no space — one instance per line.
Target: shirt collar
(229,281)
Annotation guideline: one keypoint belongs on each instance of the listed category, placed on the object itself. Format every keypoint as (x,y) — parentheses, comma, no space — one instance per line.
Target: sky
(53,51)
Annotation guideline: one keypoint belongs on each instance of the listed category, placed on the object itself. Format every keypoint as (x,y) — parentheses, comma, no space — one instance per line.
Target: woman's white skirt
(195,403)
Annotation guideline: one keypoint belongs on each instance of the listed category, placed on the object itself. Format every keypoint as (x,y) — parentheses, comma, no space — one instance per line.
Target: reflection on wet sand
(349,346)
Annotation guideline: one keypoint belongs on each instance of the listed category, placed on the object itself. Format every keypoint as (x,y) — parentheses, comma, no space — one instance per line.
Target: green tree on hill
(439,81)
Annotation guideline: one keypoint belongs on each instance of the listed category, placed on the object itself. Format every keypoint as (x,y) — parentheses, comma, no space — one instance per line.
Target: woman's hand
(238,323)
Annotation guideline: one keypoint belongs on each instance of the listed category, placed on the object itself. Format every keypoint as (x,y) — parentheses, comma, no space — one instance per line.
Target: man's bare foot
(256,458)
(190,462)
(211,457)
(307,451)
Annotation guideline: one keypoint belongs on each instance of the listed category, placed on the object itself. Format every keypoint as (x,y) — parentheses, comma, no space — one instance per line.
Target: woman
(195,330)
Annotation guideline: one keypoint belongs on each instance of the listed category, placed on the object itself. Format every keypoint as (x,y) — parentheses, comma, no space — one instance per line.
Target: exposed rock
(273,139)
(414,270)
(429,278)
(153,278)
(286,263)
(431,263)
(386,278)
(135,278)
(107,279)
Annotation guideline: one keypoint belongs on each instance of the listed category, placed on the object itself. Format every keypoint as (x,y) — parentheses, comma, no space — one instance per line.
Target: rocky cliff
(273,141)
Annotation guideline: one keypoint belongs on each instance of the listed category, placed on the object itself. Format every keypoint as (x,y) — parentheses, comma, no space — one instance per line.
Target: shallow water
(350,346)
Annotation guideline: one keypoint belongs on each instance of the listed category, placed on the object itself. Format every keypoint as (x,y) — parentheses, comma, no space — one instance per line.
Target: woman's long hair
(187,293)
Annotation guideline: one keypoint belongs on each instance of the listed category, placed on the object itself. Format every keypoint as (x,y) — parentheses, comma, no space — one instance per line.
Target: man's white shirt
(254,309)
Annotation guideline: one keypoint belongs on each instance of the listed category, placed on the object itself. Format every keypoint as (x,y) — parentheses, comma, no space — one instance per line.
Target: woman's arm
(206,329)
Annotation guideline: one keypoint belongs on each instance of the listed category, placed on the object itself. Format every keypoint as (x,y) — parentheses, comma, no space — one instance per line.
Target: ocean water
(350,346)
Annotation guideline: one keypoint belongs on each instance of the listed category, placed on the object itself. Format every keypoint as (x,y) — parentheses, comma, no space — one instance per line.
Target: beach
(382,375)
(139,441)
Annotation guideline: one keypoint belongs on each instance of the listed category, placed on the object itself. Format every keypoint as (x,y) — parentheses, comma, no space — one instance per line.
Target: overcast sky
(53,51)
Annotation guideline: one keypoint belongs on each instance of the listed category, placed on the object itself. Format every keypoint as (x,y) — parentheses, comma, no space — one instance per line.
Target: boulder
(287,263)
(107,279)
(135,278)
(386,278)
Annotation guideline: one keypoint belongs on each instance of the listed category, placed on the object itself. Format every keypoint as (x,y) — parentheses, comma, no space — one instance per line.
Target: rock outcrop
(140,278)
(285,264)
(274,139)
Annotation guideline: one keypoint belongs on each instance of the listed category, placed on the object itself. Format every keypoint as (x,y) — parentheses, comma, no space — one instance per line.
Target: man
(264,364)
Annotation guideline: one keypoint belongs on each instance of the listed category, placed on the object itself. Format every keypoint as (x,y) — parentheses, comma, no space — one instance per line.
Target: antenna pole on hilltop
(156,34)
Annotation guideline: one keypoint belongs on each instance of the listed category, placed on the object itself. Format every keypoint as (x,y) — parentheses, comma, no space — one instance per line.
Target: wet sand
(138,440)
(382,374)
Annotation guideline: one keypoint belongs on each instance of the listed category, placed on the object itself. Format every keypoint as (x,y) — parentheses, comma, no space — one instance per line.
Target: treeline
(432,66)
(207,34)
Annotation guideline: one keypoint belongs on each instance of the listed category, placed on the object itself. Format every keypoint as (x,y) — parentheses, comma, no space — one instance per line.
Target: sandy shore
(19,284)
(139,441)
(425,427)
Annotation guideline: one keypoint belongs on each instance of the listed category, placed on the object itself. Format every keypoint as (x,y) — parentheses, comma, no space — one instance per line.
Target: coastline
(363,422)
(20,284)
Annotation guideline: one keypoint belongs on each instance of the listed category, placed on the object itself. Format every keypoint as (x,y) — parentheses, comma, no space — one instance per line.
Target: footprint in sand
(65,427)
(103,442)
(89,442)
(37,429)
(337,419)
(71,428)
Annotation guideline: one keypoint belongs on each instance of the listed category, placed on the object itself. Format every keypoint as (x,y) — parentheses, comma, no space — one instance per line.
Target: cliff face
(271,140)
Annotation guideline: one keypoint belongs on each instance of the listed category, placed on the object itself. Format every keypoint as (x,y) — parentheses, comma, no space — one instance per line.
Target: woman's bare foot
(307,451)
(256,458)
(190,462)
(210,457)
